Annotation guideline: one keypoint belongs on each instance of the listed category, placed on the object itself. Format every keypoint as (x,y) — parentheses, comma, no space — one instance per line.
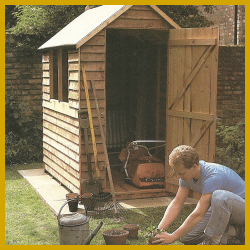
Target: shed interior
(136,78)
(132,78)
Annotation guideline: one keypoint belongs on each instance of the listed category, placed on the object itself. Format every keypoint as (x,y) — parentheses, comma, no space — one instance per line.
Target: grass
(28,221)
(147,218)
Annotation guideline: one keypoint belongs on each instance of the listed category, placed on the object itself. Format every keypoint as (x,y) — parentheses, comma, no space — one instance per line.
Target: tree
(187,16)
(35,24)
(44,20)
(10,21)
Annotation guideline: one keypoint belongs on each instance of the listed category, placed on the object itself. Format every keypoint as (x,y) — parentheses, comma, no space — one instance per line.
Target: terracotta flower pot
(73,205)
(133,230)
(87,201)
(115,236)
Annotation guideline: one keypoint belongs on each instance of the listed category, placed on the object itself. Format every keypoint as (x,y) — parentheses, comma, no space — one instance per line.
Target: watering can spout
(92,234)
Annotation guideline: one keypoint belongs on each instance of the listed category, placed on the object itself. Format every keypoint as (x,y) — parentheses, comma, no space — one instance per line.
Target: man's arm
(174,208)
(191,221)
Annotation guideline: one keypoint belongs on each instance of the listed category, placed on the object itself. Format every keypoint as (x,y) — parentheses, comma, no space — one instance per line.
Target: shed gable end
(140,17)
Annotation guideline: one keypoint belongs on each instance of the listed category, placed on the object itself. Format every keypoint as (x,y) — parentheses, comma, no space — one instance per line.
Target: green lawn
(28,221)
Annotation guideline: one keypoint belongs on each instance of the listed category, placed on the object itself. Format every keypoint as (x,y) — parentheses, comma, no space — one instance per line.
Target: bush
(232,151)
(23,131)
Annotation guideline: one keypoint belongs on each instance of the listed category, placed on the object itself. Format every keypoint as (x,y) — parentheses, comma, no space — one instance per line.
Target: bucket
(72,199)
(73,228)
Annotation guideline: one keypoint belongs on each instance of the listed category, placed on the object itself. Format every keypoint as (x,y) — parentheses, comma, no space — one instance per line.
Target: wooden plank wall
(61,127)
(140,17)
(199,99)
(192,71)
(93,57)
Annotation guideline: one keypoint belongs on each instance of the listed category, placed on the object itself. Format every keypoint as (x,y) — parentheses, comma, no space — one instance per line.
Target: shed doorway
(134,61)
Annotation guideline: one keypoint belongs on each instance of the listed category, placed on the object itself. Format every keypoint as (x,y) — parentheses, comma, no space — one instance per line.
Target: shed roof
(91,22)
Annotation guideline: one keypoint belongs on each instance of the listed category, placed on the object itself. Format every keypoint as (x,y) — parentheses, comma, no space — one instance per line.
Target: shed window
(58,70)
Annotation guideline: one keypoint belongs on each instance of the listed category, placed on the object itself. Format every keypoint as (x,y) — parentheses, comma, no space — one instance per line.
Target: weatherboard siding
(140,17)
(93,59)
(61,127)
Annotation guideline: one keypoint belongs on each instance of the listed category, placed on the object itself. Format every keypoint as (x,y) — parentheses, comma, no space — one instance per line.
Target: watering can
(74,228)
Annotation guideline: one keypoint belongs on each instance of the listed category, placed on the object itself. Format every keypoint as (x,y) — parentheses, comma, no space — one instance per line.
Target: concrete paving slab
(54,194)
(55,206)
(32,172)
(42,181)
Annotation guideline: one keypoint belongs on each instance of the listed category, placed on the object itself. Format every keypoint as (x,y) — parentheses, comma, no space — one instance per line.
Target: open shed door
(191,93)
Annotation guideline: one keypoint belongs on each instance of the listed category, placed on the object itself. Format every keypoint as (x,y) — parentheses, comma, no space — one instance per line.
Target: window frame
(58,69)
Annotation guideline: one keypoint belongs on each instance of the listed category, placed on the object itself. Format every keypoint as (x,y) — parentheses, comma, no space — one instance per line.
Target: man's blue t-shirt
(216,177)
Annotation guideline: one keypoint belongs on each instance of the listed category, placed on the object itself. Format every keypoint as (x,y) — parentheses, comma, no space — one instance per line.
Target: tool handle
(92,234)
(104,145)
(91,122)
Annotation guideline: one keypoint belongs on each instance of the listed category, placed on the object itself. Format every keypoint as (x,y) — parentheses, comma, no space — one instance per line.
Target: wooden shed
(153,80)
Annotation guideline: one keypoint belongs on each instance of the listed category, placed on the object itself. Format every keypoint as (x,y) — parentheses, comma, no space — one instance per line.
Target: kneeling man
(222,202)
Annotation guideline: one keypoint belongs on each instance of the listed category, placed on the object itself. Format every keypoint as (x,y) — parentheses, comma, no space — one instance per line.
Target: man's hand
(163,239)
(191,221)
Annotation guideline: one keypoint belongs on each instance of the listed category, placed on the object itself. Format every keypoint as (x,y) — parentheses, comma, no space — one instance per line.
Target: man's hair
(184,154)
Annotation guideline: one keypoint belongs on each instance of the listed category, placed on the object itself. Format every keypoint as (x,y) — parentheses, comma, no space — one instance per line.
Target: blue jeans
(226,209)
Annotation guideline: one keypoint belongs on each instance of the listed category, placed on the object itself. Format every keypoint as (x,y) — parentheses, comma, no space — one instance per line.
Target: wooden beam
(53,74)
(141,191)
(213,103)
(184,42)
(163,41)
(192,115)
(137,37)
(167,18)
(200,133)
(158,88)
